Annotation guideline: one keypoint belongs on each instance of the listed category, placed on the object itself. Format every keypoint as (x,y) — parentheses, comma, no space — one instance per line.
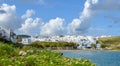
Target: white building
(98,46)
(25,39)
(7,34)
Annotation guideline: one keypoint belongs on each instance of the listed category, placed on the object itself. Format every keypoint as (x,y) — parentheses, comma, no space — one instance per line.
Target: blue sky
(57,17)
(51,9)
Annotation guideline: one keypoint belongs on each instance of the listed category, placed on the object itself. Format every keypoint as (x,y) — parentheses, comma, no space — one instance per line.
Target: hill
(110,43)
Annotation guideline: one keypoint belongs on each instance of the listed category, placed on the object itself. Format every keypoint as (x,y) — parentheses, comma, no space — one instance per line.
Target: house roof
(24,36)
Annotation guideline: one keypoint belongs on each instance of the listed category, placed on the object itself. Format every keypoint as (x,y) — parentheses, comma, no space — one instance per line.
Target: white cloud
(53,27)
(81,24)
(28,25)
(8,17)
(91,9)
(78,27)
(28,14)
(31,26)
(75,23)
(25,24)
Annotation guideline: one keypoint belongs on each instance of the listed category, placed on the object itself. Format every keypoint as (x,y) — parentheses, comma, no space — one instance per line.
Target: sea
(100,58)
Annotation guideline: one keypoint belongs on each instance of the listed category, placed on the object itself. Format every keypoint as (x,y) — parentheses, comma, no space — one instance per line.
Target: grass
(110,43)
(9,56)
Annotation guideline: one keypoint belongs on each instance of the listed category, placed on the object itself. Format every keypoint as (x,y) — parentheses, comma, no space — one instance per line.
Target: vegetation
(110,43)
(39,44)
(9,56)
(3,41)
(93,46)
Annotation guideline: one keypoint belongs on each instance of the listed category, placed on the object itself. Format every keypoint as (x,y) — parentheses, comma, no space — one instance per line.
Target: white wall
(26,40)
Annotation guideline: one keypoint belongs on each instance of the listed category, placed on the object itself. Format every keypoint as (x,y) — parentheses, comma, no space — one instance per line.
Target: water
(100,58)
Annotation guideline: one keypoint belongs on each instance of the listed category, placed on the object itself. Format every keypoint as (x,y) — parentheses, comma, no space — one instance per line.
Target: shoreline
(86,50)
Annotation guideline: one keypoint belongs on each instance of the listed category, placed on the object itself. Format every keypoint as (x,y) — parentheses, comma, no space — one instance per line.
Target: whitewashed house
(2,32)
(7,34)
(98,46)
(26,39)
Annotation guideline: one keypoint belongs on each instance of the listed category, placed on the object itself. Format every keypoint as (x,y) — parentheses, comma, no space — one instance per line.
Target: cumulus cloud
(91,9)
(28,14)
(31,26)
(53,27)
(78,27)
(8,17)
(26,24)
(81,24)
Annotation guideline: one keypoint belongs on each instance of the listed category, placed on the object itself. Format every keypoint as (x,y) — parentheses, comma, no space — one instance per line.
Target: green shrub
(39,44)
(5,49)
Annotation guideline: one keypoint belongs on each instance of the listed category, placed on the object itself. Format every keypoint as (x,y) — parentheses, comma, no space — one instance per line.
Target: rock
(21,53)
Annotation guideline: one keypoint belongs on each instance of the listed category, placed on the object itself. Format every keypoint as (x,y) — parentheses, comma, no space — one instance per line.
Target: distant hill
(111,43)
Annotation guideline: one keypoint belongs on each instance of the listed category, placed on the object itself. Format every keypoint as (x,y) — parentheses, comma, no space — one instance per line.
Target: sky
(61,17)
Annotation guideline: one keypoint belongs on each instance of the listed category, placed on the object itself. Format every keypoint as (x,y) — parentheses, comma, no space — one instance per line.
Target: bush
(5,49)
(39,44)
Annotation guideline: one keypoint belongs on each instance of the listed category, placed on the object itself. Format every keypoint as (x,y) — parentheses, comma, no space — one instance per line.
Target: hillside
(110,43)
